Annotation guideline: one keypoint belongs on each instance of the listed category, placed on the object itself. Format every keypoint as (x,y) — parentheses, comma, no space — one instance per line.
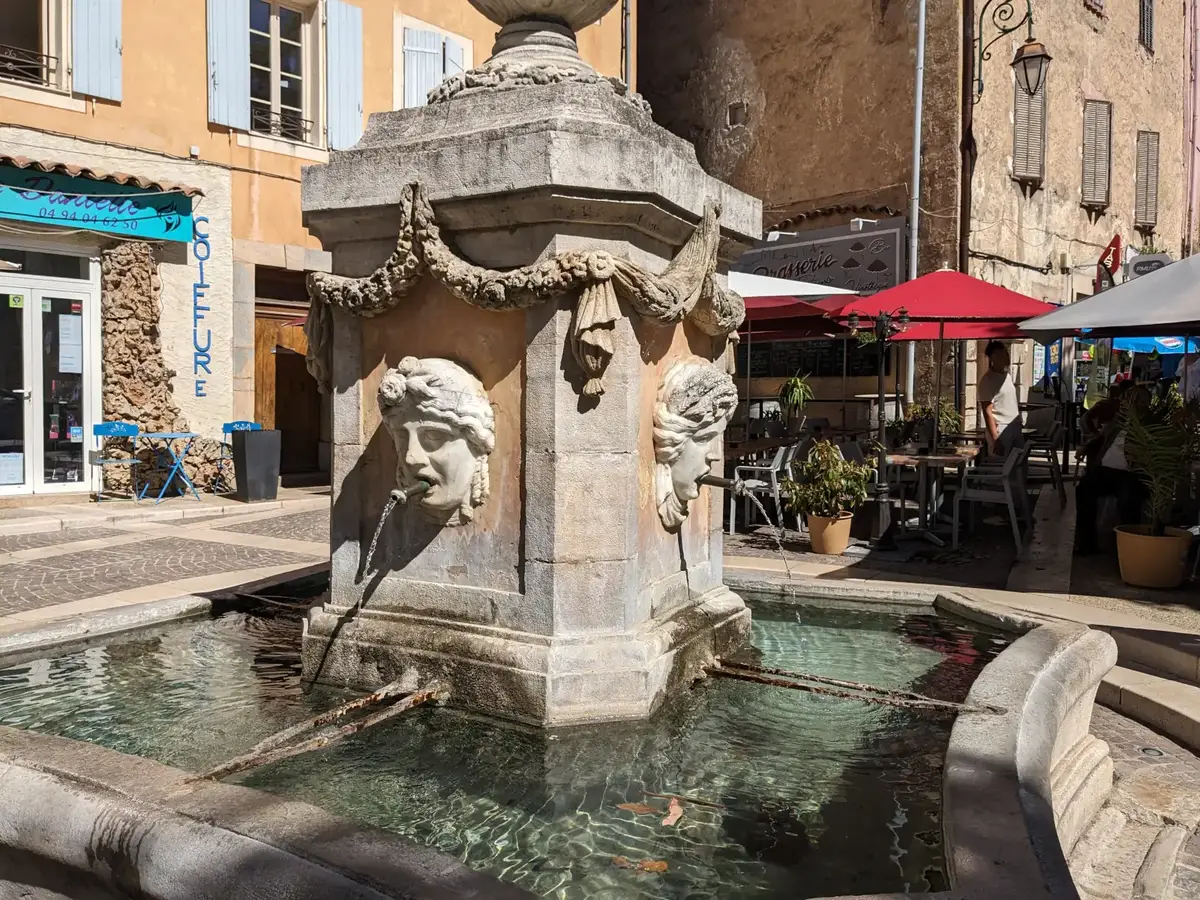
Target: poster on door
(70,345)
(12,468)
(1097,388)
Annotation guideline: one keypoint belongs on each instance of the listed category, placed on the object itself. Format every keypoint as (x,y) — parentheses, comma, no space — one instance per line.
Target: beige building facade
(204,135)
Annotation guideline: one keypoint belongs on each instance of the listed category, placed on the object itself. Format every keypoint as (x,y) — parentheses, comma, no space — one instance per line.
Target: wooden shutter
(1146,25)
(422,65)
(1146,192)
(96,48)
(229,63)
(344,74)
(455,58)
(1029,136)
(1097,153)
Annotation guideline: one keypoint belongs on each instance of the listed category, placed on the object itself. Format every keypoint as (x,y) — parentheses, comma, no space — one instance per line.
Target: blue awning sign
(50,198)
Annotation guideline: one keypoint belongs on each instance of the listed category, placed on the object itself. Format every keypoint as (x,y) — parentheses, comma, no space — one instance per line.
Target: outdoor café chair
(1043,458)
(103,431)
(994,484)
(220,481)
(763,479)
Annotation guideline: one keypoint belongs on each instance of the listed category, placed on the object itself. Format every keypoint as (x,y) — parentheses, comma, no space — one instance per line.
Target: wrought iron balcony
(27,66)
(284,124)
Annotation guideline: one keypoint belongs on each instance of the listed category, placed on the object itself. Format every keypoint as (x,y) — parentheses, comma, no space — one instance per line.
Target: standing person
(998,402)
(1111,478)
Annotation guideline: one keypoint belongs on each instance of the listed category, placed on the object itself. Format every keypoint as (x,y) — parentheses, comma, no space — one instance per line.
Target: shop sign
(867,261)
(201,337)
(49,198)
(1145,264)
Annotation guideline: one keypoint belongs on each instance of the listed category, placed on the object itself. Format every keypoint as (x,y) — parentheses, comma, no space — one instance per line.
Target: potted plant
(827,491)
(1162,441)
(794,394)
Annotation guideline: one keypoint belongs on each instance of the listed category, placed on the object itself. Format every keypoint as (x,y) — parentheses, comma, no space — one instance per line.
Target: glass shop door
(45,408)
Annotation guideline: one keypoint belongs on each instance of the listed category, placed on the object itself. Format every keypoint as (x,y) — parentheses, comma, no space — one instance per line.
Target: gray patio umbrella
(1166,301)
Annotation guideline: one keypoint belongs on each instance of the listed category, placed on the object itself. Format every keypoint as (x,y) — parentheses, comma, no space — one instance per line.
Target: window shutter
(1097,146)
(229,63)
(1146,25)
(1146,193)
(1029,136)
(456,55)
(96,48)
(344,74)
(422,65)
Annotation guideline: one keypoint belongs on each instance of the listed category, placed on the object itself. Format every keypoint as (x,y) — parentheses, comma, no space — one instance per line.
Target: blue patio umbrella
(1165,346)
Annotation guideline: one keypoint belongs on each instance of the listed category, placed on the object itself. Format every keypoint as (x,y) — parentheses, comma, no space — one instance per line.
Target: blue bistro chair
(220,481)
(109,430)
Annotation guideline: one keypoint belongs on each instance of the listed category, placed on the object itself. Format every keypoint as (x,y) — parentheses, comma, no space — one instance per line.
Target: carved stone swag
(687,289)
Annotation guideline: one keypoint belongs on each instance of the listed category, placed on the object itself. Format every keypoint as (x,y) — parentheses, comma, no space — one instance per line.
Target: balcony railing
(27,66)
(284,124)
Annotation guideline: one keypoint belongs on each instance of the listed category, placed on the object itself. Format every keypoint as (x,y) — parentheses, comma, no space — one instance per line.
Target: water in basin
(803,796)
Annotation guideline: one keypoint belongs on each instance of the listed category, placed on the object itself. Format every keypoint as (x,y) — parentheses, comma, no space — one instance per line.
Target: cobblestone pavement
(76,576)
(12,543)
(305,526)
(1157,782)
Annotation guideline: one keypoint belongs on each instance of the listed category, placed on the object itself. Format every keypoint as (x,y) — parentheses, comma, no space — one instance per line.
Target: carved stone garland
(687,289)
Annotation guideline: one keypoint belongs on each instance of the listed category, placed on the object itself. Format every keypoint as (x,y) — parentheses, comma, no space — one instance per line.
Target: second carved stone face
(443,430)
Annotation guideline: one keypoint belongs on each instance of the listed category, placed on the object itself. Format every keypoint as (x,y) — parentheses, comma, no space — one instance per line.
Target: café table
(958,458)
(167,447)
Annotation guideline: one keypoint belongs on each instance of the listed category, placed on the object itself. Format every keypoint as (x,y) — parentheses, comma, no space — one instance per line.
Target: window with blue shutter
(454,57)
(344,74)
(96,48)
(229,63)
(423,65)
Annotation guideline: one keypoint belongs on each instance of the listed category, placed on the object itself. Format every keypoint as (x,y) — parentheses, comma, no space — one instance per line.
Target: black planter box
(256,465)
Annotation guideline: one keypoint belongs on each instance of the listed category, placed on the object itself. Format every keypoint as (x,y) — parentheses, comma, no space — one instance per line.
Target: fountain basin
(804,791)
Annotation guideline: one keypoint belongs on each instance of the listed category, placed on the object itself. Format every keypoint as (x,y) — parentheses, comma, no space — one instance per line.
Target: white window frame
(312,75)
(56,42)
(399,23)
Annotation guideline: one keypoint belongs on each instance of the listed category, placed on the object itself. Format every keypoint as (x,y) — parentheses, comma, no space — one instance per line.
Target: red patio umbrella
(758,308)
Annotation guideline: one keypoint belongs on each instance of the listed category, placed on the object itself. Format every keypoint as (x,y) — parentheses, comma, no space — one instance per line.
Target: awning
(748,286)
(45,192)
(1166,301)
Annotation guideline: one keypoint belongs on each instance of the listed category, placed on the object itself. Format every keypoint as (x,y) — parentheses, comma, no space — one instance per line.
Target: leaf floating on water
(674,812)
(653,866)
(638,809)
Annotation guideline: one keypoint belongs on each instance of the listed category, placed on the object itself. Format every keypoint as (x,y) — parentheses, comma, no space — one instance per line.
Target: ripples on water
(817,796)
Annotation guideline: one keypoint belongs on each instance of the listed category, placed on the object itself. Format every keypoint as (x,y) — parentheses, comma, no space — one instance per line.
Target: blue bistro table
(167,447)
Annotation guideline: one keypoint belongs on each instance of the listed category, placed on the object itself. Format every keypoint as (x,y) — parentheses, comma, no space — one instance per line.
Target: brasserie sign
(869,260)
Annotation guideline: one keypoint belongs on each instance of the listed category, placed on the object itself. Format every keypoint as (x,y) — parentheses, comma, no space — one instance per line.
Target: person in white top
(1111,478)
(998,402)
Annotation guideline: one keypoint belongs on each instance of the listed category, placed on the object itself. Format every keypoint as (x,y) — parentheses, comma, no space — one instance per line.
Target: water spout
(396,496)
(734,485)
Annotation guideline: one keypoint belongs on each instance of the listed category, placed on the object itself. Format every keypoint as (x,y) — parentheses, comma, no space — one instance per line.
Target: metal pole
(937,409)
(845,353)
(627,36)
(914,216)
(883,510)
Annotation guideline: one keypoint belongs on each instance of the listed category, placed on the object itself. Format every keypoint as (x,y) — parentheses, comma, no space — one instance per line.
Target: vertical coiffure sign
(201,333)
(869,260)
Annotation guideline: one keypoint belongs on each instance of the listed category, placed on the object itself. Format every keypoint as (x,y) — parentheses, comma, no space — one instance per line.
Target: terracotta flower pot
(1149,561)
(830,536)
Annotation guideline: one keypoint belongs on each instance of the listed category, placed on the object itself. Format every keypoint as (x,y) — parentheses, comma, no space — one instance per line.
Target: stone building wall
(1022,241)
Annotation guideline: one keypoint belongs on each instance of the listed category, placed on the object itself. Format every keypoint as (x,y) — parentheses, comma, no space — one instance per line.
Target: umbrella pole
(749,347)
(845,354)
(937,408)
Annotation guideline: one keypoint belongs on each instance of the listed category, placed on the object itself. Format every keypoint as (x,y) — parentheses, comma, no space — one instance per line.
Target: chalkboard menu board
(818,359)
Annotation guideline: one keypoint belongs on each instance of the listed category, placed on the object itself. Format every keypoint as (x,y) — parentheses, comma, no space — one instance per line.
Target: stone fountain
(527,344)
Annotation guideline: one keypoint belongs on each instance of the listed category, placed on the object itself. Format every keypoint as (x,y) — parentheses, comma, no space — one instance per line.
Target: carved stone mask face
(443,429)
(440,456)
(697,455)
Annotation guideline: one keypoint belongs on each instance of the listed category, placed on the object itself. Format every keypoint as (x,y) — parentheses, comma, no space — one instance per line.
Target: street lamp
(884,326)
(1031,60)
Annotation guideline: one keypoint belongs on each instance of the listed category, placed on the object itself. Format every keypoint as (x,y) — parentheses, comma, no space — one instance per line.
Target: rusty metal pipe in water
(736,485)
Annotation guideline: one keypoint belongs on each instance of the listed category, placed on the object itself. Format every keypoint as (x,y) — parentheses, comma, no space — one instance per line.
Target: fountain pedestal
(553,593)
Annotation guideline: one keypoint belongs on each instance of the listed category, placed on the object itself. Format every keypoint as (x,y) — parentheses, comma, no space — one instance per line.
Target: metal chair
(763,479)
(995,484)
(219,480)
(107,431)
(1043,458)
